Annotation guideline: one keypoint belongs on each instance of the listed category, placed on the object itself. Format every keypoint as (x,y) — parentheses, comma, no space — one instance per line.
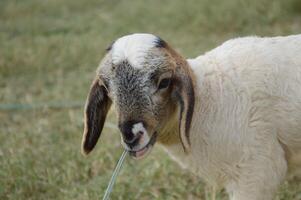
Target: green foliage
(49,51)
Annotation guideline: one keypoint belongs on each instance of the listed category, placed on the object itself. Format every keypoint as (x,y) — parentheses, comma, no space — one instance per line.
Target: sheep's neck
(169,134)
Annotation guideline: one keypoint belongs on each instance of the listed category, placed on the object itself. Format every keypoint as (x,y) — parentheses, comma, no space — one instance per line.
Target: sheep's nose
(131,132)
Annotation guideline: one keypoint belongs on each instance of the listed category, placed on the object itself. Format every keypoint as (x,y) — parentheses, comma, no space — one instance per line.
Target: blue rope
(35,106)
(114,176)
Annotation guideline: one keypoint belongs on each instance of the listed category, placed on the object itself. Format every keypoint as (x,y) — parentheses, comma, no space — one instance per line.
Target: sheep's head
(151,87)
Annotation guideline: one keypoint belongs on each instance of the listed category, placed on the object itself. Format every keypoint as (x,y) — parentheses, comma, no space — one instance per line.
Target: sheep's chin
(143,152)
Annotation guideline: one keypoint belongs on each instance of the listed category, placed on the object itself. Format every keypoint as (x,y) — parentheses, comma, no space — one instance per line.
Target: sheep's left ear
(97,106)
(184,95)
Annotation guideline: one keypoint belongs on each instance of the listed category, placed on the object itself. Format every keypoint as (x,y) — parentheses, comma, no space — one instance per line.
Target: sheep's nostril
(128,138)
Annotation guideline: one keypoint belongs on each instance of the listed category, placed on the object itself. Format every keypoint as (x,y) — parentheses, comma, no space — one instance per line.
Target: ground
(49,51)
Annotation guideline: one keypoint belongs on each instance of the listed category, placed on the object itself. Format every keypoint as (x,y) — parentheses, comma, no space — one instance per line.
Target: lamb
(231,116)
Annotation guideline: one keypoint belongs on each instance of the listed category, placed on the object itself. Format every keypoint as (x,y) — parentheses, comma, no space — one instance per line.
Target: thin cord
(35,106)
(115,173)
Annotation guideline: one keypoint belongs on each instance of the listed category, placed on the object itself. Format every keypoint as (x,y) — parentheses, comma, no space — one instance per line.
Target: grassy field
(49,51)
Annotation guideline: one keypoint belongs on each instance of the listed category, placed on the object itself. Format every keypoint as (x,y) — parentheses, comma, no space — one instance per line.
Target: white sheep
(231,116)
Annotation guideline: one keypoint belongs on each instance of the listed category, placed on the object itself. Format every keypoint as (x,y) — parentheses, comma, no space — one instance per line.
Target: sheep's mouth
(146,149)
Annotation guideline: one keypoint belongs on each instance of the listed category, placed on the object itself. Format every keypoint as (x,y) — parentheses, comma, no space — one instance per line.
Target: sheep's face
(139,75)
(142,99)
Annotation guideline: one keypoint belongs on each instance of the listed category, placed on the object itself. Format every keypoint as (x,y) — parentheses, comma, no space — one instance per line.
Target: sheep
(231,116)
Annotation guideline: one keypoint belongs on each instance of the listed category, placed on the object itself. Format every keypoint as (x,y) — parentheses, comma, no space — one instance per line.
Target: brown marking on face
(184,81)
(169,132)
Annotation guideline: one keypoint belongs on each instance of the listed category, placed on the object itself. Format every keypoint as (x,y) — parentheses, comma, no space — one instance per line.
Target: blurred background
(49,51)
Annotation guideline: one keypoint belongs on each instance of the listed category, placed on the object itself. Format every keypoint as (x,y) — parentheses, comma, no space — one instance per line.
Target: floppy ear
(96,109)
(184,95)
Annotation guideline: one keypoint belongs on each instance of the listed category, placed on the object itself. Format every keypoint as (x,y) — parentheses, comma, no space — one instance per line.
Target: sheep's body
(246,126)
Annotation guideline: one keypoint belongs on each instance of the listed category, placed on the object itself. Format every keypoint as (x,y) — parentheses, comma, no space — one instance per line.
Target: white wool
(133,48)
(247,116)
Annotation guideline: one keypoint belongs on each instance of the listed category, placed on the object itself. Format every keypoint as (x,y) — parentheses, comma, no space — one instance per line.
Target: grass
(49,51)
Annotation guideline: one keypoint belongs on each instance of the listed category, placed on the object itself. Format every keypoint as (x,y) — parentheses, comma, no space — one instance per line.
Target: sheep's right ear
(97,106)
(184,94)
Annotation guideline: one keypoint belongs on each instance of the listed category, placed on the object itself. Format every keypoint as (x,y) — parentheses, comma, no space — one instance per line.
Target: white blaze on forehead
(138,127)
(133,48)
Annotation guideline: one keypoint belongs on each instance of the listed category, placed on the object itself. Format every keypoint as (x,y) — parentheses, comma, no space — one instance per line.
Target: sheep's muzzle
(138,154)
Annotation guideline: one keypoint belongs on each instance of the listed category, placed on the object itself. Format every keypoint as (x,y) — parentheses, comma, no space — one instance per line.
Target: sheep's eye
(164,83)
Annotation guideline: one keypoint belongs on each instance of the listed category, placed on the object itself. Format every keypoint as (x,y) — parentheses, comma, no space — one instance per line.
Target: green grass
(49,51)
